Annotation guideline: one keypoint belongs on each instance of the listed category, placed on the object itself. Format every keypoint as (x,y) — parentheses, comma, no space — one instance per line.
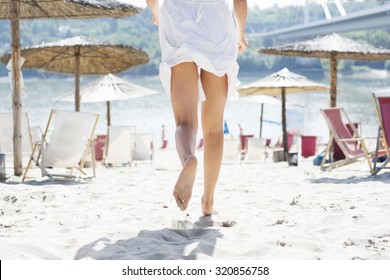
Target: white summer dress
(202,31)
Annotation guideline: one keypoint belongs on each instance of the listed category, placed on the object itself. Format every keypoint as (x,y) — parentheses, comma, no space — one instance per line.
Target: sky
(260,3)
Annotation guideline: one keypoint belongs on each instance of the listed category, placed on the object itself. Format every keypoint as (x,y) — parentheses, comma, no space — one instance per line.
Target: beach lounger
(231,150)
(67,146)
(382,150)
(6,136)
(351,144)
(36,134)
(120,145)
(143,146)
(254,149)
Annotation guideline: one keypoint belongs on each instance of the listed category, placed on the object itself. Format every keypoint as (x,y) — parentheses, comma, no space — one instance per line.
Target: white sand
(277,212)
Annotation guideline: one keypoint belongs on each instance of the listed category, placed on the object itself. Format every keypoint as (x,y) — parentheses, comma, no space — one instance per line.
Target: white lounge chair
(36,134)
(254,149)
(69,144)
(143,146)
(120,145)
(6,136)
(231,150)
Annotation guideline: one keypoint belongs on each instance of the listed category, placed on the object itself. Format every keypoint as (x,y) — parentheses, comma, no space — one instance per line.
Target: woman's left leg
(215,89)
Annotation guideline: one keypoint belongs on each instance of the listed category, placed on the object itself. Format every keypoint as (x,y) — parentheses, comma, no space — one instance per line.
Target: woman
(199,43)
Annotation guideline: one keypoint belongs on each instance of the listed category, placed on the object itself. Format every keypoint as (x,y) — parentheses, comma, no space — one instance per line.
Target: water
(150,113)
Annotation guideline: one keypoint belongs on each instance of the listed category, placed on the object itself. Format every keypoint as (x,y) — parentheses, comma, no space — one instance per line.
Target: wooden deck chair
(6,136)
(67,146)
(254,149)
(231,150)
(351,144)
(382,150)
(120,145)
(143,146)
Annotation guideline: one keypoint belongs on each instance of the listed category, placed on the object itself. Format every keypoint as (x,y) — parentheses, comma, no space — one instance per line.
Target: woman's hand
(155,19)
(242,44)
(154,8)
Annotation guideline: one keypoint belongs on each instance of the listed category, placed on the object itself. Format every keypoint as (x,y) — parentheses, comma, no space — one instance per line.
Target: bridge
(372,18)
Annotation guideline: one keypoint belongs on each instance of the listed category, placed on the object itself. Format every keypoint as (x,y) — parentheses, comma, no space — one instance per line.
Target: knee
(185,124)
(213,132)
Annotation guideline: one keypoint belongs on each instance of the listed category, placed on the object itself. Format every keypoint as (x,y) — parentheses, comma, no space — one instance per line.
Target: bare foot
(207,208)
(183,188)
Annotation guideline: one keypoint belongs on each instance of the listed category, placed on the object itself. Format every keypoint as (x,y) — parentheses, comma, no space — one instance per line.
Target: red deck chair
(350,143)
(382,150)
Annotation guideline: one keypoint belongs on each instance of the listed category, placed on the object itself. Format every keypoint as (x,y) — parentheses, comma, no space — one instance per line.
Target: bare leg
(184,99)
(215,89)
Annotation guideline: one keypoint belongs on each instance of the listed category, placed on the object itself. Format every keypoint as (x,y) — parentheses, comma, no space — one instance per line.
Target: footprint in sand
(11,199)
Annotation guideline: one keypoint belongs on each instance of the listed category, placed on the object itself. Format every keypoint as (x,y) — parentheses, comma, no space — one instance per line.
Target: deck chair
(36,134)
(351,144)
(231,150)
(6,136)
(120,145)
(67,146)
(382,150)
(254,149)
(143,146)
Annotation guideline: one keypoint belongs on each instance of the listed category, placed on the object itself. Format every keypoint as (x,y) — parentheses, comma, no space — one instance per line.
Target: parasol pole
(261,118)
(16,87)
(333,80)
(284,125)
(77,81)
(108,113)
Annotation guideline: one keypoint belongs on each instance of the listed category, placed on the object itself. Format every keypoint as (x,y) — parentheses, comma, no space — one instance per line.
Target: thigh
(215,89)
(184,92)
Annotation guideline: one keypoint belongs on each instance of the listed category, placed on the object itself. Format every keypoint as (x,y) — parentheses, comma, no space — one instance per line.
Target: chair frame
(382,147)
(341,142)
(151,147)
(132,153)
(226,159)
(261,157)
(40,148)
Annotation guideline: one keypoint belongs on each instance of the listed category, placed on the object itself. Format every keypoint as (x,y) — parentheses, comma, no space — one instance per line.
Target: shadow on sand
(384,178)
(186,242)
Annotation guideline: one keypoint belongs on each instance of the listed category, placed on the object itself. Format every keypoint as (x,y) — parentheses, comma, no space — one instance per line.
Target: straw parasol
(106,89)
(334,47)
(81,56)
(15,10)
(281,83)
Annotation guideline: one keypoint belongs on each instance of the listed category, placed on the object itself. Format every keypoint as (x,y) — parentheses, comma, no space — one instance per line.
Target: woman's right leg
(184,99)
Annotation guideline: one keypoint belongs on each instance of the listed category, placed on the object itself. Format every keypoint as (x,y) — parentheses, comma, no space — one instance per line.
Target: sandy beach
(266,210)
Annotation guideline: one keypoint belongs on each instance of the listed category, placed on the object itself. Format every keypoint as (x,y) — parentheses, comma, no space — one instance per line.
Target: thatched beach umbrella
(106,89)
(334,47)
(15,10)
(281,83)
(81,56)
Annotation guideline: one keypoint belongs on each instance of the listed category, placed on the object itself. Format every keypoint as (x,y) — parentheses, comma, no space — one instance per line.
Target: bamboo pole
(108,113)
(16,88)
(333,80)
(284,124)
(261,119)
(77,79)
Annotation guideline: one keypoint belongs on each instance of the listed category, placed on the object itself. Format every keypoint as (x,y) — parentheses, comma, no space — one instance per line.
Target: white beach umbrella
(106,89)
(279,84)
